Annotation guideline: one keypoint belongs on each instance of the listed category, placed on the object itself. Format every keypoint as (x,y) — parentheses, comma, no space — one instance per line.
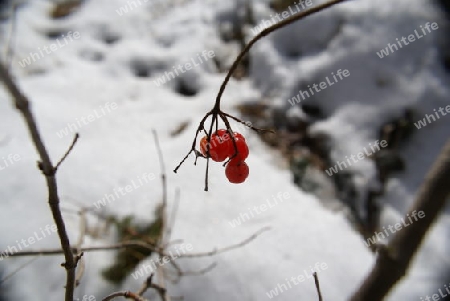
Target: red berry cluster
(221,147)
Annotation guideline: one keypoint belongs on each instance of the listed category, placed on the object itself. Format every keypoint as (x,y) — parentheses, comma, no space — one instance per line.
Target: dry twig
(164,184)
(127,244)
(394,259)
(316,281)
(226,249)
(81,265)
(21,267)
(49,170)
(125,294)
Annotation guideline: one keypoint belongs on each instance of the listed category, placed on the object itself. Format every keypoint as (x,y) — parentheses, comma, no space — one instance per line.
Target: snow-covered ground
(102,79)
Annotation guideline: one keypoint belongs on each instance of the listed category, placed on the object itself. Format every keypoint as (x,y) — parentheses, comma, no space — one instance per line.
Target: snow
(116,148)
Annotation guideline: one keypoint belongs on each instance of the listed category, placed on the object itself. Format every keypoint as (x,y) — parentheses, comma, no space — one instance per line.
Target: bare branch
(74,141)
(156,249)
(229,248)
(172,219)
(123,245)
(162,292)
(125,294)
(199,272)
(164,185)
(81,264)
(10,275)
(45,165)
(264,33)
(316,281)
(394,259)
(258,130)
(146,285)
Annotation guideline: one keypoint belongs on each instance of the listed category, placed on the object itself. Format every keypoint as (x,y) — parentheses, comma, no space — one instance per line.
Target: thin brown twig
(164,223)
(123,245)
(137,243)
(226,249)
(180,272)
(199,272)
(248,124)
(149,284)
(316,281)
(199,129)
(81,265)
(45,165)
(10,275)
(146,285)
(162,292)
(164,184)
(172,219)
(264,33)
(125,294)
(161,276)
(72,145)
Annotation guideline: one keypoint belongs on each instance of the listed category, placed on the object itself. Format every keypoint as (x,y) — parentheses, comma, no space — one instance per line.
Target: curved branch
(264,33)
(394,259)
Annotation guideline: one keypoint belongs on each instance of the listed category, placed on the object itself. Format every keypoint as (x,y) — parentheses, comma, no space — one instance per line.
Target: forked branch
(49,170)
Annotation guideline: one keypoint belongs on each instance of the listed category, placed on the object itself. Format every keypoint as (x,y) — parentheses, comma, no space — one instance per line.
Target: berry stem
(216,111)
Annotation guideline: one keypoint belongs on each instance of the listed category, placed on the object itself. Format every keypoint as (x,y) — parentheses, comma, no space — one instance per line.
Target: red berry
(242,149)
(237,135)
(219,146)
(203,143)
(223,133)
(236,171)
